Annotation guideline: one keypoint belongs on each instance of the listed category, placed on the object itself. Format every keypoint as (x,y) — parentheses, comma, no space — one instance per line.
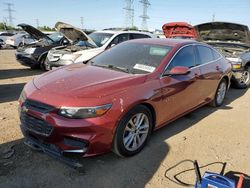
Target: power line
(37,23)
(129,14)
(10,10)
(144,16)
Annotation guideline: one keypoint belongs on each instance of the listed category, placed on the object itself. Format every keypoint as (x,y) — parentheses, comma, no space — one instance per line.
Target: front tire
(133,131)
(220,93)
(244,81)
(42,63)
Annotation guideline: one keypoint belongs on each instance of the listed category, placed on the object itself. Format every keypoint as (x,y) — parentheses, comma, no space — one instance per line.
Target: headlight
(53,56)
(234,59)
(29,50)
(236,62)
(22,97)
(84,112)
(70,57)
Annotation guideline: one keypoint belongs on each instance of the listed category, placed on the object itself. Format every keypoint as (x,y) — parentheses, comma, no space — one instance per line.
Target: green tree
(46,28)
(3,26)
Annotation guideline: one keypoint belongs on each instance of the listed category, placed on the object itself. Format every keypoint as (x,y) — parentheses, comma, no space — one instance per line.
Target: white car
(4,35)
(85,49)
(19,40)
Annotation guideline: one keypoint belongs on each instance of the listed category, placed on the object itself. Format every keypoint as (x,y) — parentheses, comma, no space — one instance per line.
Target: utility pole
(129,14)
(37,23)
(81,22)
(144,16)
(213,17)
(5,23)
(10,10)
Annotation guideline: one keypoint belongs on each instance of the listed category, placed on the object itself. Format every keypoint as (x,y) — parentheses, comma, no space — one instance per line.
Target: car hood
(35,33)
(179,29)
(223,31)
(85,81)
(72,33)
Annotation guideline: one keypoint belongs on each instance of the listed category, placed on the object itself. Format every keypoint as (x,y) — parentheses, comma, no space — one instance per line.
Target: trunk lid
(179,30)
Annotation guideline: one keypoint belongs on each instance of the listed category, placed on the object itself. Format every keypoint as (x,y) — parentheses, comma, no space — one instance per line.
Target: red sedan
(122,95)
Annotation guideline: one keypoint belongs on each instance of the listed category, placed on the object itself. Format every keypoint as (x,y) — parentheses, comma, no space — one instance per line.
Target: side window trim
(192,46)
(162,74)
(211,49)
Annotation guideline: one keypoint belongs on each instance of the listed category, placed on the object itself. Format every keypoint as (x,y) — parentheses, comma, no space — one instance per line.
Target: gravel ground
(207,134)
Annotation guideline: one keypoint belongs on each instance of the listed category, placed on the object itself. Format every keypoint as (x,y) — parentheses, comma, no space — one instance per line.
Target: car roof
(166,41)
(120,32)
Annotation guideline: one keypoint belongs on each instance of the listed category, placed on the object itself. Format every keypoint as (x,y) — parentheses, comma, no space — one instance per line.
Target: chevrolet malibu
(116,100)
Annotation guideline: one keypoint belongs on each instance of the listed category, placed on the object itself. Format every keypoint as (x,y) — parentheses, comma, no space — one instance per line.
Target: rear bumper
(26,59)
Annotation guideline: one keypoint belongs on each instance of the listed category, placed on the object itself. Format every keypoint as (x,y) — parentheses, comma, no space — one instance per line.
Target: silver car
(19,40)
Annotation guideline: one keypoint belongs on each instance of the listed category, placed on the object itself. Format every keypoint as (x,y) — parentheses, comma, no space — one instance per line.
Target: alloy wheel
(221,92)
(245,77)
(136,131)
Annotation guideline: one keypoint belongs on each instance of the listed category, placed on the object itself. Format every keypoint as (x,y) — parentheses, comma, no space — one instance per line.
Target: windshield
(84,43)
(56,37)
(100,38)
(136,58)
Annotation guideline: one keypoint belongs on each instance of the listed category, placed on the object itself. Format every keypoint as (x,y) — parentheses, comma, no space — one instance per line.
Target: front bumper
(26,59)
(87,137)
(237,74)
(50,64)
(52,151)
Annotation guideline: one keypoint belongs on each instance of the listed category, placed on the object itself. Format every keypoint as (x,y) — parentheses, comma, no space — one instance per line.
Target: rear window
(205,54)
(216,54)
(138,58)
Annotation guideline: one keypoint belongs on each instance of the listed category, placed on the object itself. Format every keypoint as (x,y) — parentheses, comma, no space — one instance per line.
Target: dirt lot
(207,134)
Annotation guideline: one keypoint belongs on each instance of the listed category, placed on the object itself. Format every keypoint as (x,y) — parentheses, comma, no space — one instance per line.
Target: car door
(180,93)
(210,70)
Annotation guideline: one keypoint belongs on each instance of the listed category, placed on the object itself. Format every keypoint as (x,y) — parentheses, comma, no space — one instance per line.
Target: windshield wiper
(123,69)
(112,67)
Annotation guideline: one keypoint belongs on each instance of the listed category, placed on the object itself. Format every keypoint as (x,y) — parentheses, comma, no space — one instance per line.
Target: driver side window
(118,39)
(185,58)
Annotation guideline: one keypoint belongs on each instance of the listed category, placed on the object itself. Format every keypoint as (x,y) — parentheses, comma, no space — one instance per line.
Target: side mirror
(178,70)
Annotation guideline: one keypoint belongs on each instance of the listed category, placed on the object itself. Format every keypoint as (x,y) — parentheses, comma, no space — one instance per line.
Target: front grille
(36,125)
(37,106)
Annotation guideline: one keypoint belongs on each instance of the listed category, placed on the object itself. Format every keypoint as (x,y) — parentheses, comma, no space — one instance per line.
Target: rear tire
(21,45)
(220,94)
(133,131)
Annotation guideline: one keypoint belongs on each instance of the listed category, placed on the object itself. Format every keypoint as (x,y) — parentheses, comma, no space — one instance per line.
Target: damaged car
(64,55)
(116,100)
(233,41)
(1,43)
(34,54)
(85,46)
(181,30)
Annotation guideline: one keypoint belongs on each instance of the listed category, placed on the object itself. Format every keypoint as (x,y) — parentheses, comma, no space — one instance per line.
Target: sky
(99,14)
